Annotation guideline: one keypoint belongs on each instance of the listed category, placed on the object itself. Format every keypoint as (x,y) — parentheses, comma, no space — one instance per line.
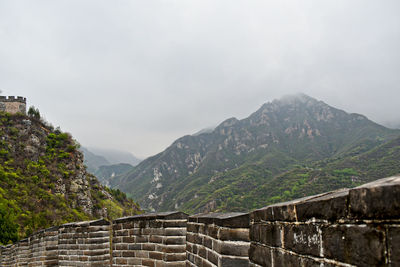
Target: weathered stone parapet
(43,248)
(73,244)
(8,255)
(38,250)
(348,227)
(218,239)
(19,99)
(23,255)
(84,244)
(153,239)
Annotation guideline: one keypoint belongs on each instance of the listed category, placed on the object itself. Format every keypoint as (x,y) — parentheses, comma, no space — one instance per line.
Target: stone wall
(43,248)
(38,250)
(74,244)
(356,227)
(13,104)
(84,244)
(155,239)
(218,239)
(348,227)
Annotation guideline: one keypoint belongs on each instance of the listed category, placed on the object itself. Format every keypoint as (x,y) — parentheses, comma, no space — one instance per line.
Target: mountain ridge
(92,160)
(297,129)
(114,156)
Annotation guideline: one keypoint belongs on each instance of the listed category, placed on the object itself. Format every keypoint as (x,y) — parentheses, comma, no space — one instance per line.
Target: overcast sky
(136,75)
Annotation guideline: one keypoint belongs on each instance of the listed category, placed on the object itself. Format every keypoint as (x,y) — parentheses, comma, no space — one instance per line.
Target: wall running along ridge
(347,227)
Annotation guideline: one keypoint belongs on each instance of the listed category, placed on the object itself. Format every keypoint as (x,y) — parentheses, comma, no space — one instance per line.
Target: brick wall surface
(8,255)
(347,227)
(74,244)
(155,239)
(218,239)
(84,244)
(43,248)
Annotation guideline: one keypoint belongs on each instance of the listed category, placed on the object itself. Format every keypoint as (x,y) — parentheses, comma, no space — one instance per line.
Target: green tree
(33,112)
(8,228)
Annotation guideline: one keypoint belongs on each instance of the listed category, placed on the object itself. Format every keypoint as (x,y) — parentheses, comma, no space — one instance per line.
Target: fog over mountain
(136,75)
(114,156)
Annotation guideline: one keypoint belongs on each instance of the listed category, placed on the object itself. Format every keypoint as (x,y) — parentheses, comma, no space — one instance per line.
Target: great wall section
(348,227)
(12,104)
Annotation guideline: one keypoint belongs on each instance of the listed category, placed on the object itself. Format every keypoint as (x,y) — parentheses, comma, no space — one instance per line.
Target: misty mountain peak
(296,107)
(296,98)
(229,122)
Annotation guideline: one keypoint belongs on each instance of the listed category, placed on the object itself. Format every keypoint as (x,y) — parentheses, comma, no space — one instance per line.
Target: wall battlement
(12,104)
(347,227)
(19,99)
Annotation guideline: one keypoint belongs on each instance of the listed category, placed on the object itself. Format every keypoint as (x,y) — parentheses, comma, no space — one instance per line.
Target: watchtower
(12,104)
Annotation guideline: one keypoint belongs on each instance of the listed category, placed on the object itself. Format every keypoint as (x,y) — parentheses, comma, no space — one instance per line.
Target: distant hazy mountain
(114,156)
(93,161)
(393,125)
(96,158)
(224,169)
(107,172)
(205,130)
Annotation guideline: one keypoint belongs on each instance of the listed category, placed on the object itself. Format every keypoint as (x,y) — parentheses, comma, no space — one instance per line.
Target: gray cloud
(136,75)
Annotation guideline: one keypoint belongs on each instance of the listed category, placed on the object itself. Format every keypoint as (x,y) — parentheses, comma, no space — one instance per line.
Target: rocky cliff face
(43,180)
(293,130)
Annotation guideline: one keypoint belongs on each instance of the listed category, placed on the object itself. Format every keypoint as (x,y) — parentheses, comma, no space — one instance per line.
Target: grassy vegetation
(276,179)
